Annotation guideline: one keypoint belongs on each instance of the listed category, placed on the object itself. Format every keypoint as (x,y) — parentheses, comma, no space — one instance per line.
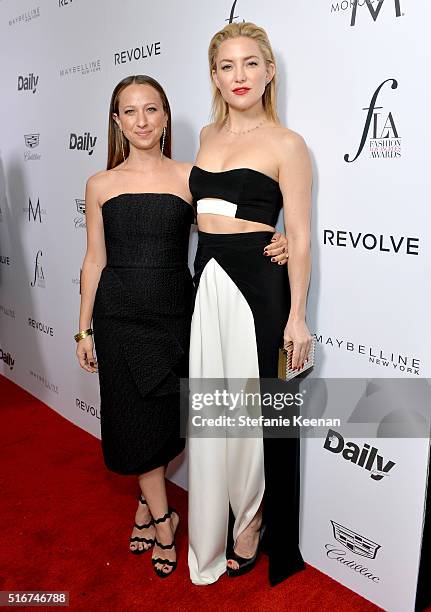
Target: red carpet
(66,522)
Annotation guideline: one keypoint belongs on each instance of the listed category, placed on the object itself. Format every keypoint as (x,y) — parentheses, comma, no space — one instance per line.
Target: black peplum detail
(141,322)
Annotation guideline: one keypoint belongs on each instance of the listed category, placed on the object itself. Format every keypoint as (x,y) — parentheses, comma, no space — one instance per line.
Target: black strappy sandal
(244,565)
(150,541)
(156,560)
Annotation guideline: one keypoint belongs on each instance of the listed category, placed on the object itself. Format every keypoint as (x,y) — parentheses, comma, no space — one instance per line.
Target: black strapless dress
(141,322)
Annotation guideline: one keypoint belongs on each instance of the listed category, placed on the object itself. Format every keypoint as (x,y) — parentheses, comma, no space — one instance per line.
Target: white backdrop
(60,60)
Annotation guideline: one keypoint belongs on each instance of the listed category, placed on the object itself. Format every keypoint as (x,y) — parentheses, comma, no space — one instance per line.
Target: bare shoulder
(208,130)
(290,142)
(100,183)
(182,169)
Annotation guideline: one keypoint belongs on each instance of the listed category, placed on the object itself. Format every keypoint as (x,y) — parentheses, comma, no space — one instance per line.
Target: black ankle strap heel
(149,541)
(159,560)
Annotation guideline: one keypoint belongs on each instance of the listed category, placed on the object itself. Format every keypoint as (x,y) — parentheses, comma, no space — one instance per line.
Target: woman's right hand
(85,354)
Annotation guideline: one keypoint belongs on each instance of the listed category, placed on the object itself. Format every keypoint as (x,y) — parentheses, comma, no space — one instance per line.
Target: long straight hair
(115,135)
(220,109)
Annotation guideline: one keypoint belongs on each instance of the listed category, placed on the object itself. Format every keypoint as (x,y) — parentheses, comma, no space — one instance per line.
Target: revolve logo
(366,457)
(145,51)
(86,142)
(88,408)
(396,245)
(28,83)
(43,328)
(39,276)
(385,141)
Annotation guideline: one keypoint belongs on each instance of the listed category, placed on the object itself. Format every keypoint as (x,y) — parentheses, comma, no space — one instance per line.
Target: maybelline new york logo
(377,356)
(39,276)
(86,142)
(80,208)
(83,69)
(385,141)
(355,543)
(34,212)
(366,457)
(28,82)
(25,17)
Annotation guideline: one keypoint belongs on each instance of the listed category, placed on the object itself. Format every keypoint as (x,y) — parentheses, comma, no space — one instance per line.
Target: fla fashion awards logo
(39,276)
(232,17)
(355,543)
(385,141)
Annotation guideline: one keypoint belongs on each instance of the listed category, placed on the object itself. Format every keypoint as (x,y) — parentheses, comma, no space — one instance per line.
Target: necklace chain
(228,129)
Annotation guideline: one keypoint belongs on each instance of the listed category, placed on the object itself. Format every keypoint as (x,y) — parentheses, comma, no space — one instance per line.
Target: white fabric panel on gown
(221,470)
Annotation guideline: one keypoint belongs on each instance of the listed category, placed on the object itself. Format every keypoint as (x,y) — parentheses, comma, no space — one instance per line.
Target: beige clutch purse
(285,370)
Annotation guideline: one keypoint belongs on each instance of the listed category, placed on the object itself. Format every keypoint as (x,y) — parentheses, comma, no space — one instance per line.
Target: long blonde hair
(233,30)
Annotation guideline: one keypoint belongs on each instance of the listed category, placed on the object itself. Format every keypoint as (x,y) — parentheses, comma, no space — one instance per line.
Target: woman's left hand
(277,249)
(296,331)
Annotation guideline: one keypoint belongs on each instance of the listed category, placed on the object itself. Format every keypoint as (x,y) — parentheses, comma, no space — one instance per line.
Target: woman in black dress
(137,288)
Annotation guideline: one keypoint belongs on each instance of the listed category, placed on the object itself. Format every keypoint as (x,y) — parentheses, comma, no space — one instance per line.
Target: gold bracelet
(83,334)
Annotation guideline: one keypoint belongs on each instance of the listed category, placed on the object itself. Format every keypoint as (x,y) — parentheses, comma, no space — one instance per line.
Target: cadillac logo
(31,140)
(80,206)
(355,542)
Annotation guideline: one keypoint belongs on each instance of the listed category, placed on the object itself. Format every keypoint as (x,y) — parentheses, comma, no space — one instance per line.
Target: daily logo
(80,207)
(34,212)
(86,142)
(39,276)
(7,358)
(385,140)
(28,83)
(366,457)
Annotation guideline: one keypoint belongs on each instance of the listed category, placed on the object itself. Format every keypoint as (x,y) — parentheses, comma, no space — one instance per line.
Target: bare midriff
(220,224)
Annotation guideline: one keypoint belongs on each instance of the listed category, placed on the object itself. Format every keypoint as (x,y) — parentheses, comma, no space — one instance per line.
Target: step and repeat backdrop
(353,80)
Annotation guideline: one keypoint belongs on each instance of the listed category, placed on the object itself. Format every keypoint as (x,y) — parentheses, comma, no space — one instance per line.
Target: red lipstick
(240,91)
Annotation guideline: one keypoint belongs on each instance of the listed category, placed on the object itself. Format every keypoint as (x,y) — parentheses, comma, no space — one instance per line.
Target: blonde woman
(248,168)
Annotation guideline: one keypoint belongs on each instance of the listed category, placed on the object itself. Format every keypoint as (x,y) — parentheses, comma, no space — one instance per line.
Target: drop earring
(163,142)
(122,144)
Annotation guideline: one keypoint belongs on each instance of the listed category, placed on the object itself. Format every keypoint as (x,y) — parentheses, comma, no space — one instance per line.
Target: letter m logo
(34,212)
(374,12)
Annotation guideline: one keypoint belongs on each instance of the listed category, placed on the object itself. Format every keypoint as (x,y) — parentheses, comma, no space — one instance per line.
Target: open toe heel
(149,541)
(159,560)
(245,565)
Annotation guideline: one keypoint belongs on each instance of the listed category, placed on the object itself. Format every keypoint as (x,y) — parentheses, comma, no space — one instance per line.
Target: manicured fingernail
(280,263)
(92,363)
(272,258)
